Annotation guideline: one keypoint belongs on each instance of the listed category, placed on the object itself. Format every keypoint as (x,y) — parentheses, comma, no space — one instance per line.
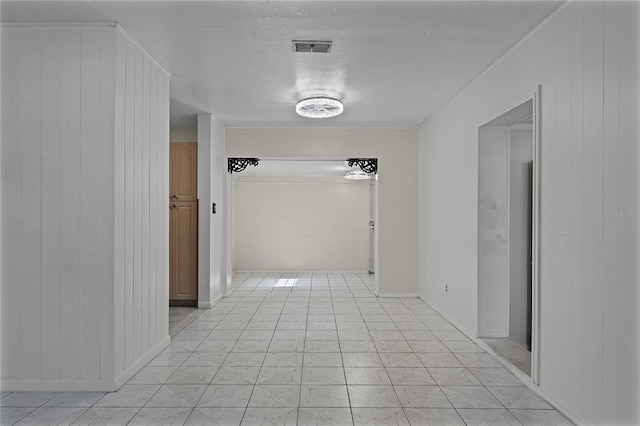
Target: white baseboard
(17,385)
(217,299)
(130,371)
(526,380)
(209,305)
(381,294)
(98,385)
(495,334)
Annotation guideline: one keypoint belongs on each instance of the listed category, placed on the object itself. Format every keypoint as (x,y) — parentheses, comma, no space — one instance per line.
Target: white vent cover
(310,46)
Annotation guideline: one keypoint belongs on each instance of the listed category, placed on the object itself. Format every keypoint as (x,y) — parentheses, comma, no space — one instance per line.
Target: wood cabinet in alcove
(183,181)
(183,224)
(183,251)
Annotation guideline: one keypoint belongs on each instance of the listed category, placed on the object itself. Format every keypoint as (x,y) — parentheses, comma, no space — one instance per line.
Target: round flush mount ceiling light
(319,107)
(356,175)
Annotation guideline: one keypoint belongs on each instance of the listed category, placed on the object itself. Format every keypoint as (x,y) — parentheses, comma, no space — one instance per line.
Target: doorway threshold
(513,352)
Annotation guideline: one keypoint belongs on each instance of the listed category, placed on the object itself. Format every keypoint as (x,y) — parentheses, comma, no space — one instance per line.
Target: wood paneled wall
(80,166)
(586,60)
(141,266)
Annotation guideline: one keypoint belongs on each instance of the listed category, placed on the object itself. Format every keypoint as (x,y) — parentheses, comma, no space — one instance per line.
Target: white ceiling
(392,63)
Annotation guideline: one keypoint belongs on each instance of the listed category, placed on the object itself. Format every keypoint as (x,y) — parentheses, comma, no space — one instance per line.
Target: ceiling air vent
(308,46)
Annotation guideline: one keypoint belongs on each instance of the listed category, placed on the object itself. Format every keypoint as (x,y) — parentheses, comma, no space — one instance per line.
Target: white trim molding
(98,385)
(409,295)
(209,305)
(17,385)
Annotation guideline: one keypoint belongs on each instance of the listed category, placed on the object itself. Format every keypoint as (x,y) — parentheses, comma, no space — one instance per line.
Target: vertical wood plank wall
(586,59)
(57,197)
(141,285)
(77,135)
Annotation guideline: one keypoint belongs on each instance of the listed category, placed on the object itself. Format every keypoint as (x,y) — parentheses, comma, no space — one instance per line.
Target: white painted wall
(520,158)
(212,244)
(220,273)
(586,59)
(299,224)
(397,152)
(183,134)
(84,144)
(204,136)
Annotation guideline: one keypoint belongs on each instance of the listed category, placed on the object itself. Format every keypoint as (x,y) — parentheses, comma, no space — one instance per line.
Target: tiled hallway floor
(289,349)
(180,317)
(516,354)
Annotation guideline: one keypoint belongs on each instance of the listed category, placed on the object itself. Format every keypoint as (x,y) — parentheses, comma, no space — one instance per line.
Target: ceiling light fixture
(356,175)
(319,107)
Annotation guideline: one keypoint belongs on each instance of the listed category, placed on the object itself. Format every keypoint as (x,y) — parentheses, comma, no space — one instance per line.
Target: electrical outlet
(446,288)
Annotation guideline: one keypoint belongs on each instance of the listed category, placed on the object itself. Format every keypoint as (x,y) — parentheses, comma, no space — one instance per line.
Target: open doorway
(303,216)
(507,234)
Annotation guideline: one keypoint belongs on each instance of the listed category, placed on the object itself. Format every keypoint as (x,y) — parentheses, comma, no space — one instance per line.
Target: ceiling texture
(393,63)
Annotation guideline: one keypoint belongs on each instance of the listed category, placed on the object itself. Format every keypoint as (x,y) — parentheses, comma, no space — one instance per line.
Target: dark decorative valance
(239,164)
(367,165)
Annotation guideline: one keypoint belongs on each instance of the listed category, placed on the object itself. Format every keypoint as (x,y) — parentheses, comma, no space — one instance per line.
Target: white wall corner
(131,371)
(204,200)
(211,304)
(126,34)
(218,191)
(212,245)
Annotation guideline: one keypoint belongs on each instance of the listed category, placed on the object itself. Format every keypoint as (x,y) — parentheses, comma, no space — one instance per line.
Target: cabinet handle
(173,206)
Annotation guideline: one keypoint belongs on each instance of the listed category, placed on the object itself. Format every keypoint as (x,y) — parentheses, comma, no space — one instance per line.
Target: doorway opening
(302,216)
(507,234)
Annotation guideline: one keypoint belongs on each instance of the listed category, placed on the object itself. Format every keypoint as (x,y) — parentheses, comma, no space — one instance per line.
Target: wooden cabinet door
(183,165)
(183,246)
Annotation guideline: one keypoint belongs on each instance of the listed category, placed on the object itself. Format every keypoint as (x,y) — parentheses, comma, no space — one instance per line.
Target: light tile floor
(180,317)
(513,352)
(304,349)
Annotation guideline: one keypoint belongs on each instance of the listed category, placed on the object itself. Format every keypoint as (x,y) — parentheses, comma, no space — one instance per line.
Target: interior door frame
(226,285)
(533,95)
(371,225)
